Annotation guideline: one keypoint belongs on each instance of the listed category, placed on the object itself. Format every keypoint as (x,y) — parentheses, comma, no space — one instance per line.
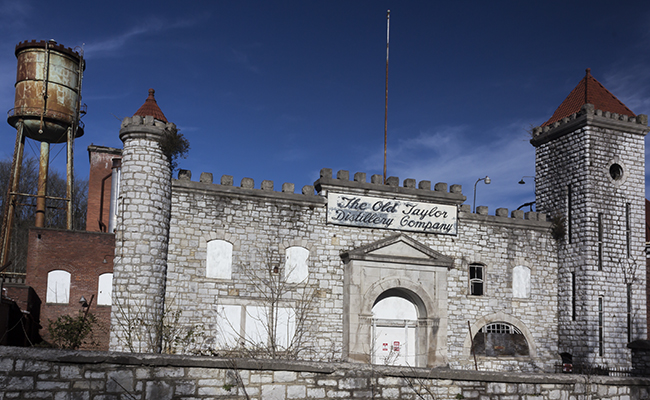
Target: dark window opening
(476,280)
(616,171)
(628,231)
(573,296)
(629,312)
(569,207)
(600,241)
(600,326)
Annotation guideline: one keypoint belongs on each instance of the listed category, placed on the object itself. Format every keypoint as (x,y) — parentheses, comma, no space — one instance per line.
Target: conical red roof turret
(150,107)
(589,91)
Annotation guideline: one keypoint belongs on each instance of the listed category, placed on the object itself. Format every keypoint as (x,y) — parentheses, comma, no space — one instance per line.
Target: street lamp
(522,182)
(487,182)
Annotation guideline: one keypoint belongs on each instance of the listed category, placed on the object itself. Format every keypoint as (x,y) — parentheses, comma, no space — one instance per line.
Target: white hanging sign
(404,215)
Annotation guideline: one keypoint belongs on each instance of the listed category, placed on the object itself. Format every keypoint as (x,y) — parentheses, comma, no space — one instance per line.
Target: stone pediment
(399,249)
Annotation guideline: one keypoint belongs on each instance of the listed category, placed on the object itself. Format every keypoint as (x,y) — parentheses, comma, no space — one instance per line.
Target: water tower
(46,109)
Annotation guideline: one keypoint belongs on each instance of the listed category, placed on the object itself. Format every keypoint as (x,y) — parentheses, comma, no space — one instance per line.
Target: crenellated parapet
(246,187)
(505,216)
(589,115)
(441,192)
(138,127)
(410,189)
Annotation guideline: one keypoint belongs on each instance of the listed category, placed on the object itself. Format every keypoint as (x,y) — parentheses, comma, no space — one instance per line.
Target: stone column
(141,237)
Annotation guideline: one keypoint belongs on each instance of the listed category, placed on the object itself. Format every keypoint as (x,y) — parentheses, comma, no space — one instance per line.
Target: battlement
(146,121)
(316,192)
(147,127)
(502,216)
(589,115)
(409,190)
(246,183)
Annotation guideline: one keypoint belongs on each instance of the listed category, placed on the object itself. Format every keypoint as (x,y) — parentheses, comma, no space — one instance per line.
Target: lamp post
(487,181)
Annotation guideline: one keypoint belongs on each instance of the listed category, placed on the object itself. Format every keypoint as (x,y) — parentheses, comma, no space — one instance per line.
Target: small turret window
(616,171)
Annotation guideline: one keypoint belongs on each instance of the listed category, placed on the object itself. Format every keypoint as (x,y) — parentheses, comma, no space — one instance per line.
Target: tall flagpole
(386,107)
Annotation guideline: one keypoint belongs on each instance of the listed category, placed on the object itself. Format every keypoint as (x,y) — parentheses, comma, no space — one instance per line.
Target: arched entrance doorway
(394,331)
(401,267)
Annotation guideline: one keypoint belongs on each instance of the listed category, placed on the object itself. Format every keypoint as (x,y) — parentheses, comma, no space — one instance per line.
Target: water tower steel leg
(14,180)
(70,178)
(42,185)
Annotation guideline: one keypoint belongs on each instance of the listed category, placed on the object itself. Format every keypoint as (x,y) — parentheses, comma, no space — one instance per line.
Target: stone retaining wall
(57,374)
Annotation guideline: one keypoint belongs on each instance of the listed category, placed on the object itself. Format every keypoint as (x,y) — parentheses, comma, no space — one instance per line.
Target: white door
(393,329)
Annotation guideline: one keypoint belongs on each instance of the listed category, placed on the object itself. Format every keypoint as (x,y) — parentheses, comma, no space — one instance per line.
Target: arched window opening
(295,266)
(394,327)
(500,339)
(521,282)
(219,260)
(105,290)
(58,287)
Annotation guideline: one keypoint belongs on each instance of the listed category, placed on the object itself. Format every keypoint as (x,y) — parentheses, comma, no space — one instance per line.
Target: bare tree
(284,315)
(25,210)
(175,337)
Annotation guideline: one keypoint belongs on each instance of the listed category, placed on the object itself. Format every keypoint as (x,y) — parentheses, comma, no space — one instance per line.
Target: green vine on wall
(558,227)
(175,145)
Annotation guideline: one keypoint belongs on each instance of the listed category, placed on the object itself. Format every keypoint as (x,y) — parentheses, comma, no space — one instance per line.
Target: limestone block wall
(141,237)
(501,244)
(41,373)
(261,223)
(579,180)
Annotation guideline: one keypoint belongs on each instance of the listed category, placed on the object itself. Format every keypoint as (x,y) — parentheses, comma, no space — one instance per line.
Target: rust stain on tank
(54,70)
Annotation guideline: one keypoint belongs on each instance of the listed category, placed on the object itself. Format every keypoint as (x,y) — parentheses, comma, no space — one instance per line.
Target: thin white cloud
(117,43)
(451,155)
(112,45)
(239,57)
(14,14)
(631,85)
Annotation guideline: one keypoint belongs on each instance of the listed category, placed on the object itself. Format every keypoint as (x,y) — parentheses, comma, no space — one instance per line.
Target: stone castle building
(395,272)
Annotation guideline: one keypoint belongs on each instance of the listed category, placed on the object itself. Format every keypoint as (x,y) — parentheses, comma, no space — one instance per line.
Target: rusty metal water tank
(48,86)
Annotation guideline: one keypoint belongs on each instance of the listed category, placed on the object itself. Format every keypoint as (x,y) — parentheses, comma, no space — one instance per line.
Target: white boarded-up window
(219,260)
(521,282)
(228,326)
(295,267)
(58,287)
(255,330)
(105,289)
(259,326)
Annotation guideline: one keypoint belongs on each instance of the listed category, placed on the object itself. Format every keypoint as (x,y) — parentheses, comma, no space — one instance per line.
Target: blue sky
(278,90)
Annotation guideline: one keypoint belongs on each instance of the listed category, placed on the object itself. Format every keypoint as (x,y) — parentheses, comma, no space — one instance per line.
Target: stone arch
(220,235)
(400,287)
(396,265)
(499,317)
(423,303)
(296,242)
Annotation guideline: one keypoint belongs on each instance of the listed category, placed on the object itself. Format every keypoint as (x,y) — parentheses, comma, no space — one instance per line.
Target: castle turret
(142,232)
(590,179)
